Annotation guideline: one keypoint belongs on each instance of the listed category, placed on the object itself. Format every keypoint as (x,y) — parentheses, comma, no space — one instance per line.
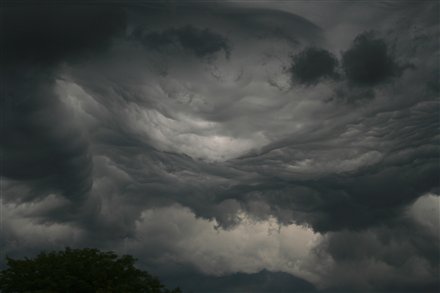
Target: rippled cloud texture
(266,146)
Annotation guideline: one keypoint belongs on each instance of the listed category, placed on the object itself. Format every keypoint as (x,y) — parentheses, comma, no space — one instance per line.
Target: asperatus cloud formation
(230,146)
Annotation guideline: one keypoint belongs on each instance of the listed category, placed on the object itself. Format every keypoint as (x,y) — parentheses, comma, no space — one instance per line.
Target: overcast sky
(230,146)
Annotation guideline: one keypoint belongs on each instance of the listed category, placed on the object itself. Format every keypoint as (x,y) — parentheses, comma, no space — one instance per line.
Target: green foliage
(78,270)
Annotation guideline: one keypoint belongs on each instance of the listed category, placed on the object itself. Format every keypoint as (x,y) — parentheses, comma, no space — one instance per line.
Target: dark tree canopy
(78,270)
(312,64)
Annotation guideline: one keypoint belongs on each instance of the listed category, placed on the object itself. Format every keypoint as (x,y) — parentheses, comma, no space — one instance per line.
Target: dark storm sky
(228,145)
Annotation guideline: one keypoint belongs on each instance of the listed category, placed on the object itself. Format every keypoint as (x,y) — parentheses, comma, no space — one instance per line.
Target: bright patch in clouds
(249,247)
(193,137)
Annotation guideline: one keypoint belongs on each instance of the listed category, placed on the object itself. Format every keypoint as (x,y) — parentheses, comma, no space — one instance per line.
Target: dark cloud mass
(229,146)
(312,64)
(34,40)
(52,33)
(369,61)
(202,42)
(51,159)
(395,251)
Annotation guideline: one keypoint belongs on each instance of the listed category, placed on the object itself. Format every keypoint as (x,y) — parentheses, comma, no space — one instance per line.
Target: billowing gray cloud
(190,137)
(398,256)
(35,153)
(34,41)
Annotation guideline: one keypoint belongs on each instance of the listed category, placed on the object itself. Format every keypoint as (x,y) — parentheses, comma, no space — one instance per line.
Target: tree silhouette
(78,270)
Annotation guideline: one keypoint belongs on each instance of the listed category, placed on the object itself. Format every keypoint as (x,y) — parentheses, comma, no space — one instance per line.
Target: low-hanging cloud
(202,42)
(369,61)
(312,65)
(56,32)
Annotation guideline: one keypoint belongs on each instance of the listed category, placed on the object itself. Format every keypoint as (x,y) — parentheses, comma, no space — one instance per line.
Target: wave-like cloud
(123,126)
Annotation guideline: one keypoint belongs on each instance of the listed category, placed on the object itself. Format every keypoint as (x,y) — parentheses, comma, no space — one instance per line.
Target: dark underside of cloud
(34,41)
(182,132)
(369,61)
(312,64)
(202,42)
(46,34)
